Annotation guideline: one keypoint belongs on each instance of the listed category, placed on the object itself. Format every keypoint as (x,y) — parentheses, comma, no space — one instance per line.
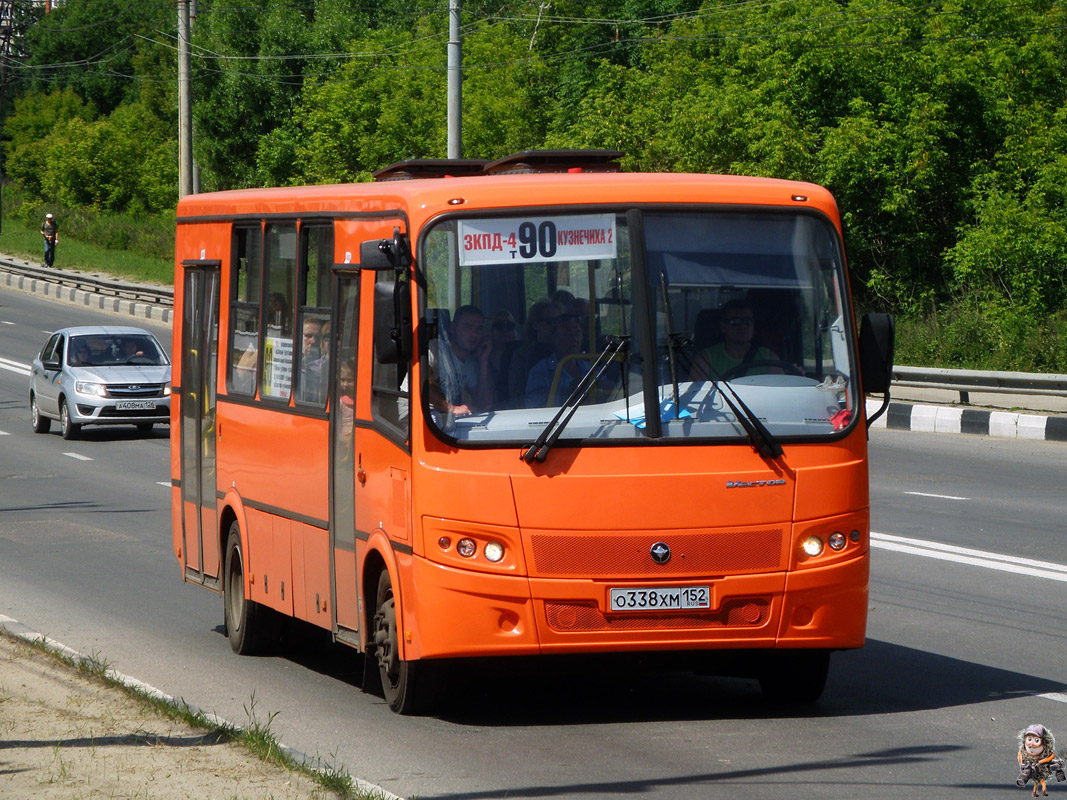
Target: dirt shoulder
(66,735)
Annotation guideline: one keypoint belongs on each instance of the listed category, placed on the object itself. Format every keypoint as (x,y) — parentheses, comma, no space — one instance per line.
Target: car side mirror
(876,346)
(51,366)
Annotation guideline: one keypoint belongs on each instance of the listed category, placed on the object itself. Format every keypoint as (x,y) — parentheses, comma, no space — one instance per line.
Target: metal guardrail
(965,381)
(80,280)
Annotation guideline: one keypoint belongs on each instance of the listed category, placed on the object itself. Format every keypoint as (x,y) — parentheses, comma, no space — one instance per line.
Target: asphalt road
(966,642)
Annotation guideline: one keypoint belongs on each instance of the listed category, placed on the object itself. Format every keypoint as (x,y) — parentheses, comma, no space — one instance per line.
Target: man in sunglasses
(726,358)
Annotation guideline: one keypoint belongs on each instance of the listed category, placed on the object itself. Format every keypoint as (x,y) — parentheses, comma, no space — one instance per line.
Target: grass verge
(257,737)
(128,248)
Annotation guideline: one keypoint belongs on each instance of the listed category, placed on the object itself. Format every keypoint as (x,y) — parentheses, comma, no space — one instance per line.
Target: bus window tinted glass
(278,334)
(519,309)
(247,281)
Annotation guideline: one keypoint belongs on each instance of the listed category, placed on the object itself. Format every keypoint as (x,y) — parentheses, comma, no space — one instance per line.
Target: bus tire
(795,678)
(250,626)
(405,684)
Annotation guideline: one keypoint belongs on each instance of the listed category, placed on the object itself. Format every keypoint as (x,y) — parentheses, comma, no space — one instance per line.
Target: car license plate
(660,598)
(135,405)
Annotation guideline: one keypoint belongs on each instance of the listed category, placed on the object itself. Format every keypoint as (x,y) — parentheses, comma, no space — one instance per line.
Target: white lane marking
(938,496)
(977,558)
(78,456)
(163,483)
(1059,697)
(14,366)
(6,322)
(4,433)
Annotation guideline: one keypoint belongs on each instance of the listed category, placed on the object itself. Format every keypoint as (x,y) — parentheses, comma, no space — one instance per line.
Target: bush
(969,336)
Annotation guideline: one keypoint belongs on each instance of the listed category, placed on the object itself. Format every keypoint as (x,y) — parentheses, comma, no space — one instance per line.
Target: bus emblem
(661,554)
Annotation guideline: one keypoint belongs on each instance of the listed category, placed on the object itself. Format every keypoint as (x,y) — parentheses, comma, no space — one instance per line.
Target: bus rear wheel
(250,627)
(405,684)
(795,678)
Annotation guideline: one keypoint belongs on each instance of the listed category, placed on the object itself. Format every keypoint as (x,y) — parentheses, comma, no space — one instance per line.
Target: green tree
(91,46)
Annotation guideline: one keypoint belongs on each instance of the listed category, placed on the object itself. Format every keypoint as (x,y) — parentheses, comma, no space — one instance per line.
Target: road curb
(27,634)
(951,419)
(101,302)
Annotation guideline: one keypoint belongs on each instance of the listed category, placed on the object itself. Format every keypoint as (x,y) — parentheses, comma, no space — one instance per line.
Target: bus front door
(200,339)
(343,584)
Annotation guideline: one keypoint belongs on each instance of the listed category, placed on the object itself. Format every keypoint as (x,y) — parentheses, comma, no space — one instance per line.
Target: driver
(737,326)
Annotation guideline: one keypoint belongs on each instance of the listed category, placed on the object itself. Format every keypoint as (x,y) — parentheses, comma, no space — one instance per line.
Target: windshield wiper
(763,440)
(538,451)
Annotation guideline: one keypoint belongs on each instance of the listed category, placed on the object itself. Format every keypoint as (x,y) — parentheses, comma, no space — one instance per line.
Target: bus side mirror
(392,322)
(877,342)
(380,254)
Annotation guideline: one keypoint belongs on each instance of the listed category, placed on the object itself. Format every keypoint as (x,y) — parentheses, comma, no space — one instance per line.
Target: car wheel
(144,427)
(71,430)
(251,627)
(41,424)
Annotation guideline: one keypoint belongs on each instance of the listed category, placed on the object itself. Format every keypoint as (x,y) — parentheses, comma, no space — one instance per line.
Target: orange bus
(415,413)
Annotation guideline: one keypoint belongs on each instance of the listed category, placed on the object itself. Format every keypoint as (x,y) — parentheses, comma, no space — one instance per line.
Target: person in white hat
(50,232)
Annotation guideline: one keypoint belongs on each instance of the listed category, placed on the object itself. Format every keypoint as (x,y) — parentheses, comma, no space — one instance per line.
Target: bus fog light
(812,545)
(837,541)
(854,536)
(444,543)
(494,551)
(466,548)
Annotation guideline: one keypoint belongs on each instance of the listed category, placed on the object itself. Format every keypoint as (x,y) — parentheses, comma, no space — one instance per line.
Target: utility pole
(455,83)
(185,105)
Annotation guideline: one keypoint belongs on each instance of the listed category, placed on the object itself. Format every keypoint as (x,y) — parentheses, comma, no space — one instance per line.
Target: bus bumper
(469,614)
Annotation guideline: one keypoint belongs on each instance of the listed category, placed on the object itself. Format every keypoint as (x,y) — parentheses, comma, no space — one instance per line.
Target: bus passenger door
(343,584)
(199,360)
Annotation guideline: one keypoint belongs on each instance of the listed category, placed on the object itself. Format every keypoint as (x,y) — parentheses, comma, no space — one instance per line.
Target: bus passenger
(737,325)
(503,339)
(460,381)
(536,345)
(566,340)
(314,363)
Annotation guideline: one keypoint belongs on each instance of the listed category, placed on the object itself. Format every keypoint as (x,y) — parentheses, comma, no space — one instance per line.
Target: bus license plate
(660,598)
(135,405)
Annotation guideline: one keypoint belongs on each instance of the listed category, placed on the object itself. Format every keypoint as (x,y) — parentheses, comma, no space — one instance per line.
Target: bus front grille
(628,555)
(739,612)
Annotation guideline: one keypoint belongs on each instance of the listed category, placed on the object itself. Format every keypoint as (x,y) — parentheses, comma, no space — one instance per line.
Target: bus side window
(313,291)
(390,393)
(280,266)
(246,272)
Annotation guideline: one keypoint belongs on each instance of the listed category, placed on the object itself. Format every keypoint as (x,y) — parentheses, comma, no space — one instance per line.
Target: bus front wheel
(249,625)
(797,677)
(405,684)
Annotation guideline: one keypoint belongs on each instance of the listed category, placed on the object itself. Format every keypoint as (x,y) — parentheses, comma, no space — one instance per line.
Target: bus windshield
(708,317)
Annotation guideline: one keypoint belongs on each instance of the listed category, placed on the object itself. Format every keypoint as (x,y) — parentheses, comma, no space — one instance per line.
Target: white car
(100,375)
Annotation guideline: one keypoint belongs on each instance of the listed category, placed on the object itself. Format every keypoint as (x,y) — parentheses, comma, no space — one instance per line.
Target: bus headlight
(812,546)
(467,548)
(494,551)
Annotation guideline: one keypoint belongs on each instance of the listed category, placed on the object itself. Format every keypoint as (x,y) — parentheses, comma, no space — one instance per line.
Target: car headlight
(94,389)
(166,390)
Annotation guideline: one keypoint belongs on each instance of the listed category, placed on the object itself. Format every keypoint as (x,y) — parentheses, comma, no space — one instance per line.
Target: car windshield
(722,317)
(100,350)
